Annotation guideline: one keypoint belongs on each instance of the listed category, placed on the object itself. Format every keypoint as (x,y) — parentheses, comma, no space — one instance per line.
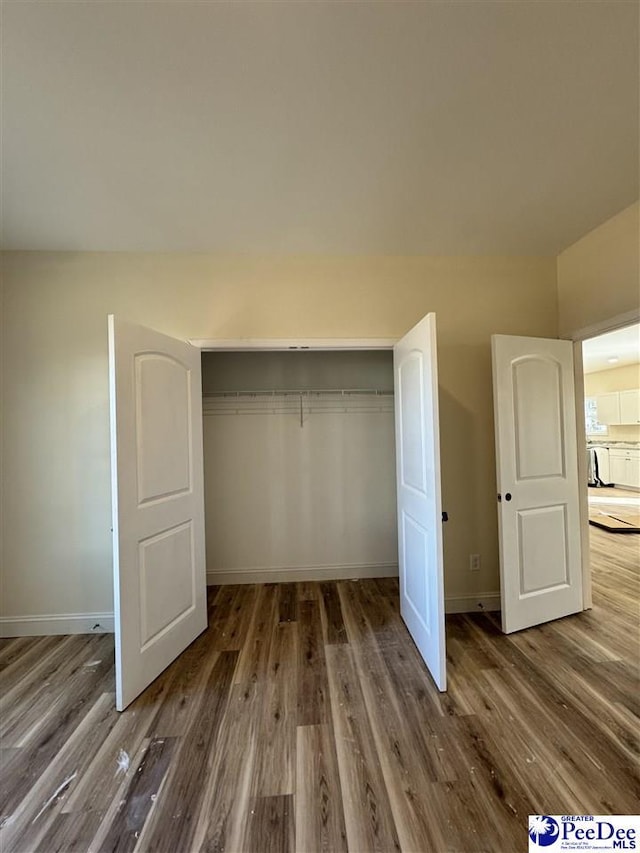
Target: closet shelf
(299,392)
(299,402)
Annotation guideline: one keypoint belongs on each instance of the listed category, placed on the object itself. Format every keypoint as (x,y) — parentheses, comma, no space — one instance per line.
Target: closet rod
(344,392)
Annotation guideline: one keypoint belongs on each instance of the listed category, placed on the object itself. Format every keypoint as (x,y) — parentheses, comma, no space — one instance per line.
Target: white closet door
(157,502)
(537,462)
(419,500)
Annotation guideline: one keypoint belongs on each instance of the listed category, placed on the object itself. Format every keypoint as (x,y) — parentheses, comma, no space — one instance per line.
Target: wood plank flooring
(616,509)
(304,720)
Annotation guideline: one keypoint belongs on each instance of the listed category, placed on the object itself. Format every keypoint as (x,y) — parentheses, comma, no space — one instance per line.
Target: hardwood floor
(303,719)
(622,506)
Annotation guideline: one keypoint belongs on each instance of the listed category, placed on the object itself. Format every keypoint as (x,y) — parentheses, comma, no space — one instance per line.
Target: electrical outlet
(474,562)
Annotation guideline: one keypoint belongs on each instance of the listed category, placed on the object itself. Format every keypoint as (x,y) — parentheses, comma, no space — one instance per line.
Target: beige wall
(617,379)
(56,545)
(599,276)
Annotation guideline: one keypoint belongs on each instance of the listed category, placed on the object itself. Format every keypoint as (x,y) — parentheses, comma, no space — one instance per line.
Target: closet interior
(299,465)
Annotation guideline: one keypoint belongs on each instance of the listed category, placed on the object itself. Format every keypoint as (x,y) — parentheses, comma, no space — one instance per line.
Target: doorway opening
(406,375)
(611,365)
(299,465)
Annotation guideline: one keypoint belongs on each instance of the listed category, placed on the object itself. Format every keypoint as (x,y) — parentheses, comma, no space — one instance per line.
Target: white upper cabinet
(630,406)
(619,407)
(608,407)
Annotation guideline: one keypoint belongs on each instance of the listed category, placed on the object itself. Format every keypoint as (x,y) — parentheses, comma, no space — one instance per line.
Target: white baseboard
(100,623)
(470,603)
(60,623)
(282,574)
(473,603)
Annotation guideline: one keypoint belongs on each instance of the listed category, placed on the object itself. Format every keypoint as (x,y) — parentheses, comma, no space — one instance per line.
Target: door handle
(445,515)
(507,497)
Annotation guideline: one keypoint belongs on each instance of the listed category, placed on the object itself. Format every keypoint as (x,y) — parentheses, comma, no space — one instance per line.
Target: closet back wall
(286,500)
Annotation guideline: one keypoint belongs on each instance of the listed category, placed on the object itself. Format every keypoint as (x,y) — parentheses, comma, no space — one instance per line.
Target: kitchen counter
(622,445)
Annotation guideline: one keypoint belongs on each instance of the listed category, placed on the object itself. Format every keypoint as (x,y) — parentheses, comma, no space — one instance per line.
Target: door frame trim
(583,476)
(578,336)
(619,321)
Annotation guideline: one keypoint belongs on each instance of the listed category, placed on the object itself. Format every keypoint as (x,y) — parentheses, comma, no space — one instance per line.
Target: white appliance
(602,455)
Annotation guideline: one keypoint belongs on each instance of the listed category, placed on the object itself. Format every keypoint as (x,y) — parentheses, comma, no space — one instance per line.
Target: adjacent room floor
(303,719)
(615,510)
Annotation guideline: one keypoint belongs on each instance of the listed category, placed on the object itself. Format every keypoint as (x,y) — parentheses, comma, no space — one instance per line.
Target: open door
(419,500)
(537,475)
(157,502)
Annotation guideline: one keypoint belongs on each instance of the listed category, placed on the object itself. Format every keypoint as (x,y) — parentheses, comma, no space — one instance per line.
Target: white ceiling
(356,127)
(623,344)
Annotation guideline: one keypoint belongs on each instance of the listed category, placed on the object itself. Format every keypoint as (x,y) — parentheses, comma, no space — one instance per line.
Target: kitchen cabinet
(619,407)
(624,467)
(608,408)
(630,406)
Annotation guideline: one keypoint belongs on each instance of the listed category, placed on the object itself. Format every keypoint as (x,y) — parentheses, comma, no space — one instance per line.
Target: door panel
(414,541)
(419,501)
(157,502)
(537,397)
(541,531)
(163,419)
(536,454)
(167,581)
(411,390)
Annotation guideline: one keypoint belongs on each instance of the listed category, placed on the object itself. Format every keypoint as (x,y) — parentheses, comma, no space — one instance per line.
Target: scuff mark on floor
(55,794)
(123,762)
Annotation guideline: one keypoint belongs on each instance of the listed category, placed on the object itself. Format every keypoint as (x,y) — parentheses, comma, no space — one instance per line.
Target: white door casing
(537,477)
(157,502)
(419,498)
